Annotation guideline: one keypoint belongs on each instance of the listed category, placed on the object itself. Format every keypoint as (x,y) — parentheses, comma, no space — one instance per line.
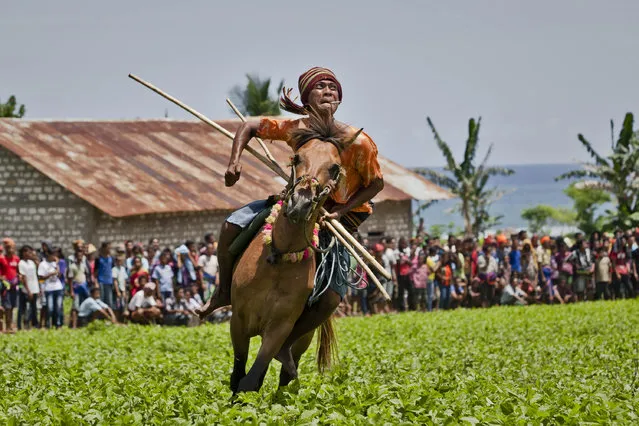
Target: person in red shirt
(9,277)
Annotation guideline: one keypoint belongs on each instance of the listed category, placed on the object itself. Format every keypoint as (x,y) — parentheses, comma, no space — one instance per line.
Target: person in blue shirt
(104,274)
(515,258)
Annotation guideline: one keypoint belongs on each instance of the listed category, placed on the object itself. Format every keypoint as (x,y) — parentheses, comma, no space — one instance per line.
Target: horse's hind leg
(241,343)
(296,352)
(271,343)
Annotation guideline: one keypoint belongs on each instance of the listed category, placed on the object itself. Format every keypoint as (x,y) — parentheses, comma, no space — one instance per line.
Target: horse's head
(316,167)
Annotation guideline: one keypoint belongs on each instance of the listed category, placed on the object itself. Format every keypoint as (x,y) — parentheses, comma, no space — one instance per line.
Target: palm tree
(255,99)
(617,174)
(8,109)
(468,181)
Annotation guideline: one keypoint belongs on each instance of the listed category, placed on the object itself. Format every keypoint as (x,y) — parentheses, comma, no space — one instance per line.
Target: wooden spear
(278,170)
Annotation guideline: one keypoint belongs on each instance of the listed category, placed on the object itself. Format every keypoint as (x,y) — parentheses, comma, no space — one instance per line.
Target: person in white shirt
(143,307)
(210,268)
(513,294)
(29,296)
(53,289)
(93,308)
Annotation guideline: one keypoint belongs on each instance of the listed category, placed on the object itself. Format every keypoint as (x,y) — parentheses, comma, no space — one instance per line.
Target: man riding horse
(350,202)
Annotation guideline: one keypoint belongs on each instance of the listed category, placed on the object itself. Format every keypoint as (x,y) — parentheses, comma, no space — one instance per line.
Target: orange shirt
(359,160)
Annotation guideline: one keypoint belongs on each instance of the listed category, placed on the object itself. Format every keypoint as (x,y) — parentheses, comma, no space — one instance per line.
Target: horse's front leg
(241,342)
(295,354)
(272,340)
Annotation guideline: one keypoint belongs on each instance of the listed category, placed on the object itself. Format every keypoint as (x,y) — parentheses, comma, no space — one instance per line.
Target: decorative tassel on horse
(292,257)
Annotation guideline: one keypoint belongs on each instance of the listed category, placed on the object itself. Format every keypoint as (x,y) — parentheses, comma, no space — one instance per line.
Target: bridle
(317,200)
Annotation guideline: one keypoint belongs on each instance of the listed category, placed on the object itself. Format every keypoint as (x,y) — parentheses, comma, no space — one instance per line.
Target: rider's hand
(232,174)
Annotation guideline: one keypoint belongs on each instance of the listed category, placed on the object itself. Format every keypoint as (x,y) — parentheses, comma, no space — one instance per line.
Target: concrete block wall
(34,207)
(390,218)
(172,229)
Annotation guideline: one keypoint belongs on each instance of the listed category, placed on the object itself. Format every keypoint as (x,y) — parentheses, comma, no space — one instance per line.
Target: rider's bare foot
(217,301)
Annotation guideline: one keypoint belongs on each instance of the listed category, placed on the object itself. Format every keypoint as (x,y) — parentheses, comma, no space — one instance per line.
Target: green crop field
(542,364)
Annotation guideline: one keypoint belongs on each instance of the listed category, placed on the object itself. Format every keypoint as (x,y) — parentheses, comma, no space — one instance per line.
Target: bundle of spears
(333,225)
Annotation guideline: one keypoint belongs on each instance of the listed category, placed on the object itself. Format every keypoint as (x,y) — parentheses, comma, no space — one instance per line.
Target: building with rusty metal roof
(119,180)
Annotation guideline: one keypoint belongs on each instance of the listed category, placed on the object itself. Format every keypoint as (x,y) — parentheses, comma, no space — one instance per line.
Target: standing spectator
(29,297)
(420,275)
(210,267)
(62,267)
(622,267)
(49,271)
(584,267)
(529,268)
(136,252)
(93,308)
(78,275)
(163,277)
(137,271)
(128,249)
(92,253)
(153,251)
(186,264)
(9,274)
(404,284)
(603,274)
(515,257)
(120,278)
(144,307)
(445,279)
(432,262)
(389,261)
(104,274)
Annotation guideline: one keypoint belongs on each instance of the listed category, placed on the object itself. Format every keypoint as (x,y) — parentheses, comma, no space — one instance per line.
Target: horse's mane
(319,127)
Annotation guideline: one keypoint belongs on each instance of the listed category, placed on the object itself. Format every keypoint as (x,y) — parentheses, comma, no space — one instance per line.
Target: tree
(617,174)
(8,109)
(468,181)
(255,99)
(540,216)
(585,203)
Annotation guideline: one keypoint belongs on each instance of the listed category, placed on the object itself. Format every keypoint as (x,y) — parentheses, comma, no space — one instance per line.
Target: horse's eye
(334,171)
(295,160)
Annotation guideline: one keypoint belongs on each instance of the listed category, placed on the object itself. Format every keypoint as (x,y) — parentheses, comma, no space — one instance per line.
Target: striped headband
(306,82)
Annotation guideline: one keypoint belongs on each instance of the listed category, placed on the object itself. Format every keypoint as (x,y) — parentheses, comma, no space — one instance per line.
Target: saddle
(242,241)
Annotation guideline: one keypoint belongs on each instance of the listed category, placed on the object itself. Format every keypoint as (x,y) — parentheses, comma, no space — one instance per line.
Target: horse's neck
(288,237)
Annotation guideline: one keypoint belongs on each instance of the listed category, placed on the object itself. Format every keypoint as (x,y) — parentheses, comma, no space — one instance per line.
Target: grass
(541,364)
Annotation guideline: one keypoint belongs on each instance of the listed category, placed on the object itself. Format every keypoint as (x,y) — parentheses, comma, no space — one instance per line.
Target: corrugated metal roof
(127,168)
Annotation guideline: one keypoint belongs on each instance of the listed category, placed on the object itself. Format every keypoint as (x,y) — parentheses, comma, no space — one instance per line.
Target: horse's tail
(326,345)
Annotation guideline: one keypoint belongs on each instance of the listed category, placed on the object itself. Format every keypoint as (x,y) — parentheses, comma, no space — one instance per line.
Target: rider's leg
(222,295)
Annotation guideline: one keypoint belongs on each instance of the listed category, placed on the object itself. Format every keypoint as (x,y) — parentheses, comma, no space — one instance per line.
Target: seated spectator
(458,293)
(143,307)
(563,292)
(194,301)
(177,309)
(513,294)
(93,308)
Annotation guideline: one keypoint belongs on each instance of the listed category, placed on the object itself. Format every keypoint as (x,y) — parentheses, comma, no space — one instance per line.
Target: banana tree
(617,174)
(467,180)
(255,98)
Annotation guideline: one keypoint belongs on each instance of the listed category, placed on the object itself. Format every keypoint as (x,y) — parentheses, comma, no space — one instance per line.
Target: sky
(538,73)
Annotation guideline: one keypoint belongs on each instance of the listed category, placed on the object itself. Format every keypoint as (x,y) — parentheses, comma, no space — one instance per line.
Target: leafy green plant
(468,180)
(616,174)
(255,98)
(571,364)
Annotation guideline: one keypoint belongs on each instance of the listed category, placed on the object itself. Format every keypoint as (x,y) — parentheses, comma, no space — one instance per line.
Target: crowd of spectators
(149,285)
(128,283)
(516,269)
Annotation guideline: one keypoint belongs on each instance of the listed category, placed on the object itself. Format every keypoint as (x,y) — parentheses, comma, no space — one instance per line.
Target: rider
(350,203)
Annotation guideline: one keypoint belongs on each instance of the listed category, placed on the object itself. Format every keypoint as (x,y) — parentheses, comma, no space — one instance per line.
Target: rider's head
(320,91)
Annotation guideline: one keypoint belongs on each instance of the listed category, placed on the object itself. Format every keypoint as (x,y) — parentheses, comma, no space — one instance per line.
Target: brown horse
(269,292)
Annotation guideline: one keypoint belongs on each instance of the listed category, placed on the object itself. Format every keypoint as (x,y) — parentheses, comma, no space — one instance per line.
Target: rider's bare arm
(244,134)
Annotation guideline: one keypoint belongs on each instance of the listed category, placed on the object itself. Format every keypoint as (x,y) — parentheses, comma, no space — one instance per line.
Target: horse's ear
(350,141)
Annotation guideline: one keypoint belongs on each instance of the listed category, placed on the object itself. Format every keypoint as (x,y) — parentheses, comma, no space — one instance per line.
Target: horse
(274,276)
